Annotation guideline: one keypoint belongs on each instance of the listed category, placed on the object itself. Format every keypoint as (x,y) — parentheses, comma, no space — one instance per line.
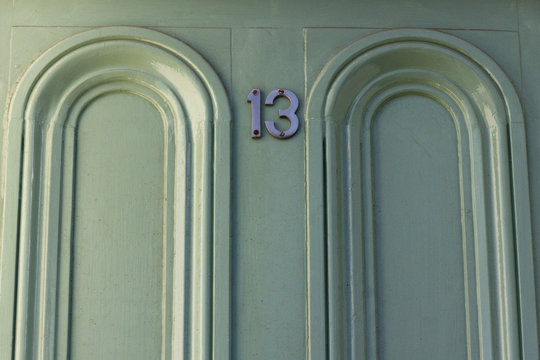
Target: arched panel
(419,229)
(118,138)
(418,255)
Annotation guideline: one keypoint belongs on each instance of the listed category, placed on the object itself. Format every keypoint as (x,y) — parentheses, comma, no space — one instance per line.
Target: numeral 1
(254,98)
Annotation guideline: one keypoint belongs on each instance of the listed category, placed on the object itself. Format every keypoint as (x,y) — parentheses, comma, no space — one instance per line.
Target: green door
(269,181)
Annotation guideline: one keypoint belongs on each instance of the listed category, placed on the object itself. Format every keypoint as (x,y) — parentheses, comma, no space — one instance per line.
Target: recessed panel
(112,187)
(118,221)
(420,300)
(415,128)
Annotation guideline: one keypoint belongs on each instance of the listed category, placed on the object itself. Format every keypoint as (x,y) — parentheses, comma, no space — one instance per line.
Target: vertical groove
(71,263)
(326,251)
(14,341)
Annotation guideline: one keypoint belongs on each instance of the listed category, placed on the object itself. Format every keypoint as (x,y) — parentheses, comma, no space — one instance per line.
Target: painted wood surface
(373,181)
(141,220)
(116,229)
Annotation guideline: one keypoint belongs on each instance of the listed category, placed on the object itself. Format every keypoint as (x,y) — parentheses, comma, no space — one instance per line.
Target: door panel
(418,240)
(118,244)
(117,229)
(419,234)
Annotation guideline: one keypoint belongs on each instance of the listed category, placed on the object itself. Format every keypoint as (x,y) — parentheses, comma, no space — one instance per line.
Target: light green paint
(57,96)
(415,162)
(269,305)
(267,225)
(117,258)
(344,102)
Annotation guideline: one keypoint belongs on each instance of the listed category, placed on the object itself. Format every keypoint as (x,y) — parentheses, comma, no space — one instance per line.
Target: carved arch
(42,119)
(488,120)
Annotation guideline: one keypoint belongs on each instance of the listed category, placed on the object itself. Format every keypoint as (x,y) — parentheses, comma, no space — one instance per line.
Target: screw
(281,91)
(255,92)
(255,132)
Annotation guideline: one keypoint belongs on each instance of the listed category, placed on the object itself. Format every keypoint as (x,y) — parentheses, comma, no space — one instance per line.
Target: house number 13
(254,98)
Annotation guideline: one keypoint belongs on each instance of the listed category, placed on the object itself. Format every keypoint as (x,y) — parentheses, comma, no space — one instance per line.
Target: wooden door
(143,218)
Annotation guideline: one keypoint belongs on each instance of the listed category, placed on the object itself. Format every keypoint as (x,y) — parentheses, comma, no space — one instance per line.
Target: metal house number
(254,98)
